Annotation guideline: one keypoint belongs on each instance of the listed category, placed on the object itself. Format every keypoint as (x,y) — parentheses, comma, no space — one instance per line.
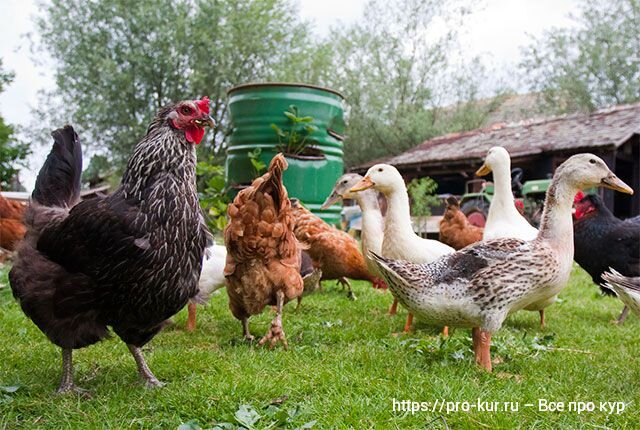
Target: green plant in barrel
(296,140)
(259,166)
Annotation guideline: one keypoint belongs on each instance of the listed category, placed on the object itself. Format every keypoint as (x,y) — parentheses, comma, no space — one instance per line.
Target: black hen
(128,261)
(602,241)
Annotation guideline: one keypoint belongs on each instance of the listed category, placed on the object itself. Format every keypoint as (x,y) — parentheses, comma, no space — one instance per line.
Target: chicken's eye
(186,110)
(380,169)
(592,161)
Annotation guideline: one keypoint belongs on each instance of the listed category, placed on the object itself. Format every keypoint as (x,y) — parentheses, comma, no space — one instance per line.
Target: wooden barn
(538,147)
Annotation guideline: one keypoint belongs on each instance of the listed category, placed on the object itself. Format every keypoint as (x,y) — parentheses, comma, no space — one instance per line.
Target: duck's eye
(344,182)
(380,169)
(186,110)
(592,161)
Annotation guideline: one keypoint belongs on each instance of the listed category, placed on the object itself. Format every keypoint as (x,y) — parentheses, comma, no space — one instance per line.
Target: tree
(397,67)
(12,153)
(593,64)
(118,61)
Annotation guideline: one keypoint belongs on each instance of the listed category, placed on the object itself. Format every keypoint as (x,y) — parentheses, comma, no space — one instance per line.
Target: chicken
(310,276)
(603,241)
(11,210)
(12,228)
(128,261)
(263,254)
(455,229)
(335,252)
(211,280)
(627,288)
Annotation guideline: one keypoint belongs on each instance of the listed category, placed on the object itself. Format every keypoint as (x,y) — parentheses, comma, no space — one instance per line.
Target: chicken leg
(276,333)
(482,347)
(145,373)
(245,330)
(623,316)
(66,383)
(345,283)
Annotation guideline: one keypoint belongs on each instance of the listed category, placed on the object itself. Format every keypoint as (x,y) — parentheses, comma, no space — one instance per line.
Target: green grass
(342,370)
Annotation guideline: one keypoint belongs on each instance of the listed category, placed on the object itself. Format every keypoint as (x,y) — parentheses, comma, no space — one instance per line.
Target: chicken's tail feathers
(614,277)
(278,164)
(58,182)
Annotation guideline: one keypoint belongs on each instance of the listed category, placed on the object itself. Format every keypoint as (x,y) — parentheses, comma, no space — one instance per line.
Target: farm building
(538,147)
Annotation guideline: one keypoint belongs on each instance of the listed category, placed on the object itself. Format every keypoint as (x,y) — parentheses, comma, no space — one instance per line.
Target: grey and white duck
(480,285)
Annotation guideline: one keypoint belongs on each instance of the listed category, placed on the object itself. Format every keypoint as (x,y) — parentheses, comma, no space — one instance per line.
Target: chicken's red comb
(519,204)
(579,196)
(203,104)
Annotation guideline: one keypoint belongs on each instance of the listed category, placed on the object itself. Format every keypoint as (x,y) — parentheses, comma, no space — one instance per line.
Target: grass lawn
(343,370)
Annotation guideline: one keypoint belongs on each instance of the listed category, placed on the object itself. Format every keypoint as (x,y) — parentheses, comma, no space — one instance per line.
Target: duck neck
(502,201)
(398,218)
(556,225)
(371,219)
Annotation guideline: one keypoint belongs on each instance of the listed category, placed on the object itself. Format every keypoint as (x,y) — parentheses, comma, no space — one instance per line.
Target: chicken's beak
(364,184)
(614,183)
(205,121)
(483,170)
(331,200)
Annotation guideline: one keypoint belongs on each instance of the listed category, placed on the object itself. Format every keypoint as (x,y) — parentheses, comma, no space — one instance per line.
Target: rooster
(603,241)
(263,255)
(128,261)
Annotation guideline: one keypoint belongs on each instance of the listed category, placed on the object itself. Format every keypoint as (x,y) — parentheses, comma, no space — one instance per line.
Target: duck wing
(461,266)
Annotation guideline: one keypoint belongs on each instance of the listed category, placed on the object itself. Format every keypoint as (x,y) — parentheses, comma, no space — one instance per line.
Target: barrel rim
(283,84)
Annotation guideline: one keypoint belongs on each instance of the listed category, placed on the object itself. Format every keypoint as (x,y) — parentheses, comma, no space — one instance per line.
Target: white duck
(400,241)
(480,285)
(211,280)
(504,220)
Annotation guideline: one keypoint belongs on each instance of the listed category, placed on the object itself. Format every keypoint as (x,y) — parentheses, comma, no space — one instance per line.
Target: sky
(497,31)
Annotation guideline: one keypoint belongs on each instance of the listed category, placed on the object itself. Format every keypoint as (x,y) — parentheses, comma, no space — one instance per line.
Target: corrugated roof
(604,128)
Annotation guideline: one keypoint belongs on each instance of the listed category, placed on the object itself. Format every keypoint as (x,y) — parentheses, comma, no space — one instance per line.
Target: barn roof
(606,128)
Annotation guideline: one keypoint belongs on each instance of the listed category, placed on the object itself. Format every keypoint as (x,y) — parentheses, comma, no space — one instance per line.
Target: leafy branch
(213,197)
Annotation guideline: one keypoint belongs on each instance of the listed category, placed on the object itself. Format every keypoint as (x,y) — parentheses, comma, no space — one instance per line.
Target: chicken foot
(66,383)
(145,373)
(276,333)
(245,330)
(345,283)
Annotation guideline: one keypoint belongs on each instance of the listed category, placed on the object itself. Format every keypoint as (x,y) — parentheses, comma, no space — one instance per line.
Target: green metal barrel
(254,107)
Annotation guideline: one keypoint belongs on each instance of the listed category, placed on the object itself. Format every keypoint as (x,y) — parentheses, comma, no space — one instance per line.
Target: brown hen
(263,255)
(455,229)
(333,251)
(12,229)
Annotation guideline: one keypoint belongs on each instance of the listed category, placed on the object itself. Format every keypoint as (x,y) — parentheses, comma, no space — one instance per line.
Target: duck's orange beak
(364,184)
(483,170)
(614,183)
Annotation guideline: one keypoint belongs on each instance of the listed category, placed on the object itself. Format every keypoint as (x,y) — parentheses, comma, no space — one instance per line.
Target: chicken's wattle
(194,134)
